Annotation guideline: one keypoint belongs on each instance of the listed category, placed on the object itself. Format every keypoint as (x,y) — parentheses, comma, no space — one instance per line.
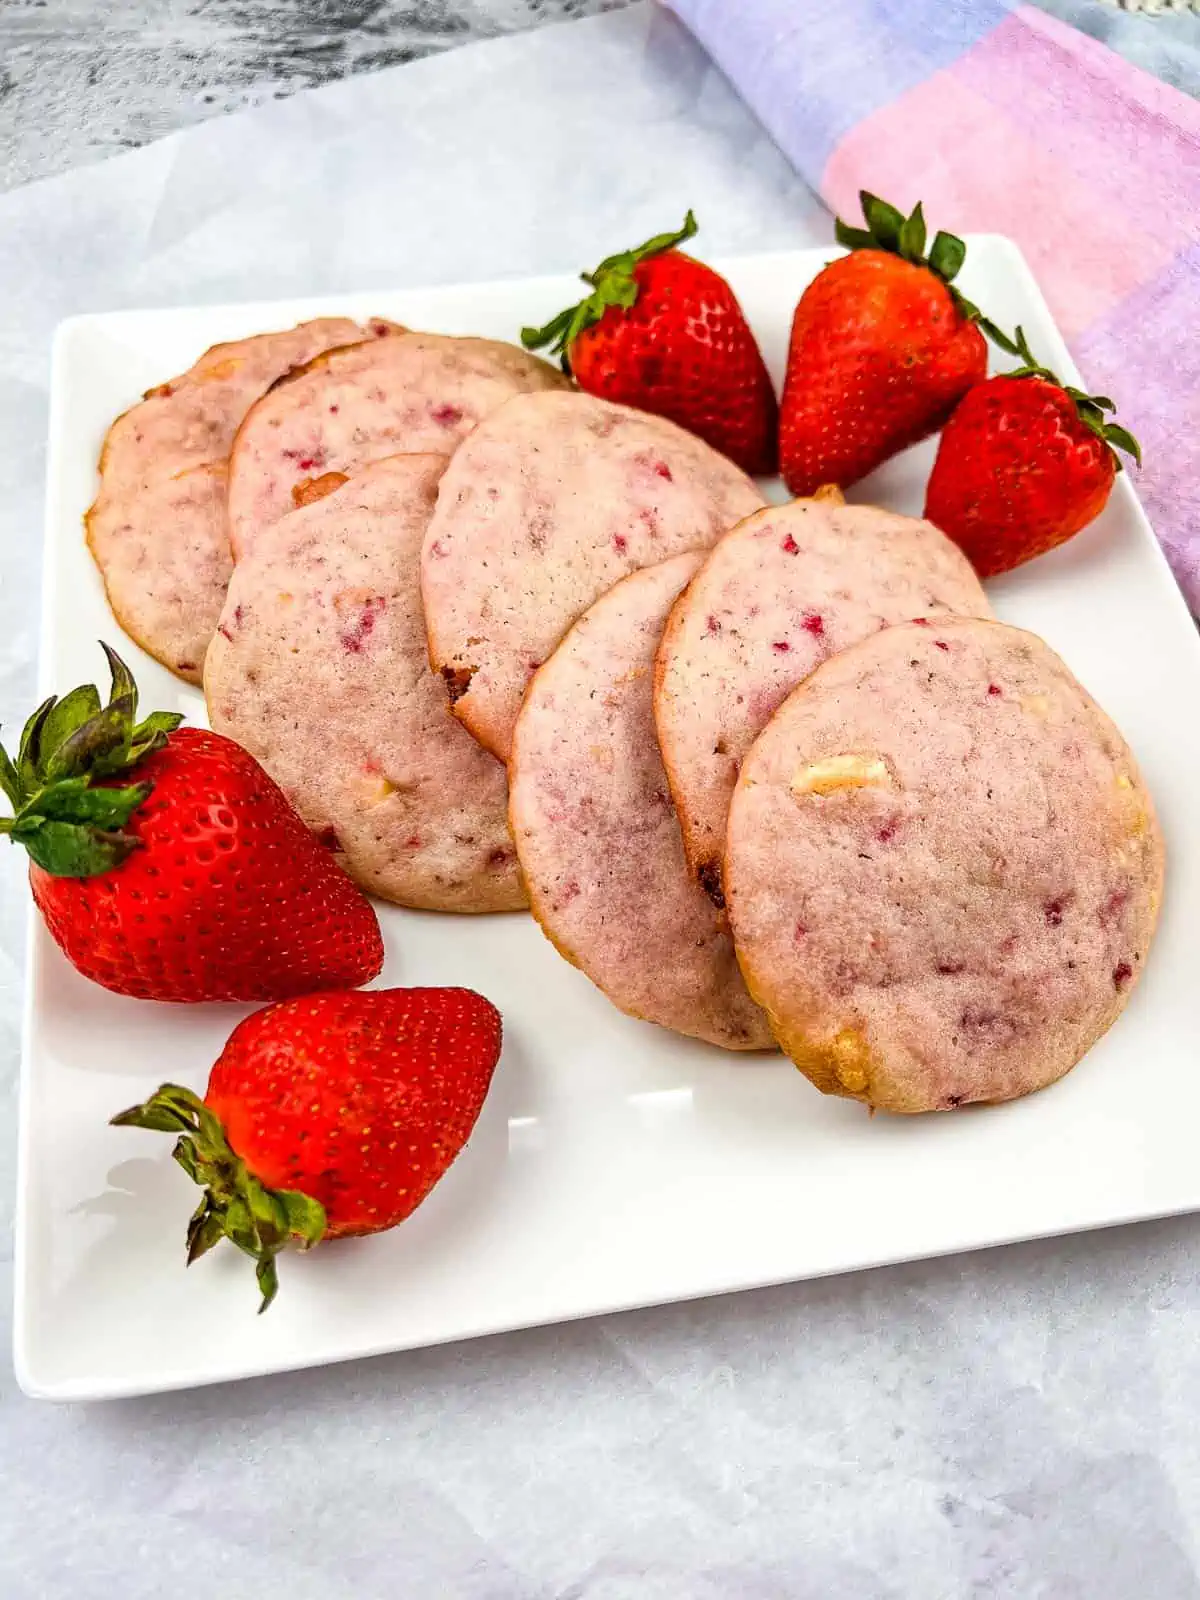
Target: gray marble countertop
(84,79)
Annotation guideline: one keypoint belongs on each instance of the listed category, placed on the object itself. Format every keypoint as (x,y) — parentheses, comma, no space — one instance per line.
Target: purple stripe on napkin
(812,69)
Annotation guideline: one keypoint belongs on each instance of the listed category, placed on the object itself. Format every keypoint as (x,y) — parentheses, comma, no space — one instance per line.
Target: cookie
(597,835)
(349,407)
(545,506)
(780,593)
(943,868)
(319,669)
(157,528)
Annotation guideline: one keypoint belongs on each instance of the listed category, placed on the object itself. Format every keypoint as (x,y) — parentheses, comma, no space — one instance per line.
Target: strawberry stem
(235,1205)
(69,820)
(613,284)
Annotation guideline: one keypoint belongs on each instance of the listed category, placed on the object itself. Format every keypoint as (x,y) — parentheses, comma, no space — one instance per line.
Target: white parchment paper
(1011,1425)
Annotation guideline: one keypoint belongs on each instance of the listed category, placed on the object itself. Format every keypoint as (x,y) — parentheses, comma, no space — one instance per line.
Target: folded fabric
(1002,119)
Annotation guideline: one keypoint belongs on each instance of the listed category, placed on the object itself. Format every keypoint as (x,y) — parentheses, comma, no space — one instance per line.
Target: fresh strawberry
(663,332)
(1024,463)
(882,350)
(169,866)
(328,1116)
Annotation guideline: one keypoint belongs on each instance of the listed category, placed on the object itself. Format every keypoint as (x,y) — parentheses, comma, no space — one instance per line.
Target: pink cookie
(319,669)
(781,592)
(943,868)
(596,833)
(549,503)
(158,526)
(349,407)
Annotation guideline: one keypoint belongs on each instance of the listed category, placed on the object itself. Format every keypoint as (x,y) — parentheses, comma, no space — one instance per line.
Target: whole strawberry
(882,350)
(328,1116)
(167,864)
(663,332)
(1024,463)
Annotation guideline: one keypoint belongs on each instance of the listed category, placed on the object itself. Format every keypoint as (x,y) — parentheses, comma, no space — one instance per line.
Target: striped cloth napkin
(1002,119)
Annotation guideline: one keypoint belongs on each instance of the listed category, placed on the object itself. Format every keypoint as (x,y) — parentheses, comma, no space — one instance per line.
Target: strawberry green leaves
(947,256)
(1114,434)
(912,236)
(74,832)
(613,284)
(890,230)
(884,226)
(235,1205)
(69,827)
(1092,409)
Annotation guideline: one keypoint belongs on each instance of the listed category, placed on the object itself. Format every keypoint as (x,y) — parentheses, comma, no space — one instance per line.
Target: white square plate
(614,1165)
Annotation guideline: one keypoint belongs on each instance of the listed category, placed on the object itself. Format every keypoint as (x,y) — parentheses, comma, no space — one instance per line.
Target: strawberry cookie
(319,669)
(943,868)
(349,407)
(158,528)
(597,835)
(550,502)
(781,592)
